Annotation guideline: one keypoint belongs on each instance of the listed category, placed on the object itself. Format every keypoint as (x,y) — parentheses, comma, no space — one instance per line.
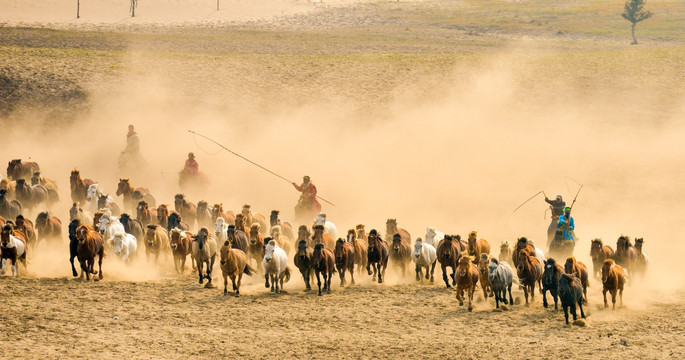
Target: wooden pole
(78,8)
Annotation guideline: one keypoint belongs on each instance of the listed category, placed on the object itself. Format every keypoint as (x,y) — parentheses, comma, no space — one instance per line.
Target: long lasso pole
(252,162)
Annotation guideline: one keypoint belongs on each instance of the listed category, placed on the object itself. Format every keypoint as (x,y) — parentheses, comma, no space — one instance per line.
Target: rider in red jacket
(308,197)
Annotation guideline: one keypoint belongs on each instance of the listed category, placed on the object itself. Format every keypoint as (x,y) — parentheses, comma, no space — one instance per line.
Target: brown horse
(187,209)
(163,214)
(448,253)
(287,228)
(377,256)
(217,211)
(504,251)
(233,264)
(96,219)
(303,233)
(33,196)
(241,225)
(181,247)
(529,272)
(360,249)
(579,270)
(467,278)
(36,179)
(477,247)
(204,252)
(145,215)
(483,272)
(599,252)
(344,259)
(400,253)
(17,169)
(521,244)
(321,237)
(126,189)
(238,239)
(391,229)
(323,262)
(26,227)
(251,218)
(90,244)
(156,241)
(79,187)
(303,261)
(626,254)
(48,227)
(13,248)
(613,281)
(642,262)
(361,232)
(255,248)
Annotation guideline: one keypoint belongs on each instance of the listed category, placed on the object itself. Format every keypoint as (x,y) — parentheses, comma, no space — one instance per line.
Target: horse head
(123,186)
(623,242)
(6,231)
(303,232)
(246,210)
(418,248)
(391,226)
(254,233)
(549,271)
(483,264)
(492,268)
(73,225)
(104,223)
(92,191)
(606,268)
(396,243)
(464,266)
(340,249)
(522,258)
(570,264)
(317,255)
(219,226)
(302,249)
(273,218)
(151,235)
(118,241)
(372,239)
(201,238)
(179,201)
(638,243)
(351,235)
(269,247)
(224,251)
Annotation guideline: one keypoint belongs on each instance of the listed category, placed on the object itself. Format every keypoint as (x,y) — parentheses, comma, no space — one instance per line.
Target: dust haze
(463,157)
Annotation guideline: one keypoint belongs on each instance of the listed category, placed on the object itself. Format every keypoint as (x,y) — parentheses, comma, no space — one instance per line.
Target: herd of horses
(247,244)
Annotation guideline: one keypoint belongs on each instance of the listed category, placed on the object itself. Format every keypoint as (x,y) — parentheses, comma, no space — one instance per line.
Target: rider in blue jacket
(566,225)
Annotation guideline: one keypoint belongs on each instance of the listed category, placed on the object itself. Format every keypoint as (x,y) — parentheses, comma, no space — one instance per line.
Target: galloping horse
(251,218)
(501,277)
(48,227)
(204,252)
(12,247)
(642,262)
(79,187)
(391,229)
(303,261)
(126,189)
(90,244)
(477,247)
(426,256)
(156,241)
(323,262)
(187,209)
(467,278)
(125,246)
(233,264)
(613,281)
(255,249)
(360,249)
(504,251)
(344,259)
(237,238)
(626,254)
(485,284)
(377,256)
(73,244)
(17,169)
(529,272)
(599,252)
(26,227)
(275,266)
(571,293)
(33,196)
(321,237)
(9,209)
(448,254)
(175,221)
(550,281)
(400,253)
(181,246)
(145,214)
(287,228)
(579,270)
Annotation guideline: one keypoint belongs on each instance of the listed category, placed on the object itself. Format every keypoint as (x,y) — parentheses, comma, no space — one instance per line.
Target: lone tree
(634,12)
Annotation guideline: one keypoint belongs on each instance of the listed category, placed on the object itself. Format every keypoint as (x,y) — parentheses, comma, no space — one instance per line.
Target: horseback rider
(557,206)
(567,225)
(130,158)
(132,142)
(308,198)
(191,166)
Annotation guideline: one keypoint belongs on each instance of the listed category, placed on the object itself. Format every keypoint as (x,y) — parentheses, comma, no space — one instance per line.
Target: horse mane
(302,227)
(597,241)
(473,234)
(483,256)
(571,259)
(43,215)
(179,197)
(246,206)
(318,247)
(359,227)
(456,237)
(318,227)
(495,261)
(256,225)
(340,241)
(609,262)
(154,227)
(267,241)
(276,228)
(418,240)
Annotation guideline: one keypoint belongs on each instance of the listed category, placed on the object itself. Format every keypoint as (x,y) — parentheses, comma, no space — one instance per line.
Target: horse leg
(444,275)
(380,273)
(327,281)
(200,265)
(621,295)
(472,290)
(604,293)
(368,269)
(432,277)
(566,313)
(100,276)
(318,281)
(14,267)
(613,299)
(73,268)
(342,276)
(237,288)
(266,280)
(274,283)
(454,275)
(307,278)
(555,294)
(351,269)
(511,298)
(525,293)
(419,274)
(580,305)
(573,311)
(225,283)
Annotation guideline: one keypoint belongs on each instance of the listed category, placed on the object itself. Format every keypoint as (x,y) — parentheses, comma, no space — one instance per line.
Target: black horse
(176,222)
(550,281)
(559,247)
(133,227)
(571,293)
(73,244)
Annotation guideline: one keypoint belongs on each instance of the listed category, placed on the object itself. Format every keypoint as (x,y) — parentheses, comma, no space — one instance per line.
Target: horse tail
(249,270)
(287,274)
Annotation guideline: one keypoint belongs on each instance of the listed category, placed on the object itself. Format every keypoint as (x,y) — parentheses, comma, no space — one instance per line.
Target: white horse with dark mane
(125,246)
(434,236)
(424,256)
(221,230)
(110,226)
(275,266)
(20,252)
(328,226)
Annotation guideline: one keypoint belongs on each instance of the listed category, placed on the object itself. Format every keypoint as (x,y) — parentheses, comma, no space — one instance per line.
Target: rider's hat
(306,177)
(558,197)
(567,209)
(191,155)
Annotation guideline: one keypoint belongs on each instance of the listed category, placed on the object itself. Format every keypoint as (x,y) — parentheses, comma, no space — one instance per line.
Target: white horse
(501,277)
(14,243)
(329,227)
(110,226)
(125,246)
(433,236)
(221,230)
(424,255)
(275,266)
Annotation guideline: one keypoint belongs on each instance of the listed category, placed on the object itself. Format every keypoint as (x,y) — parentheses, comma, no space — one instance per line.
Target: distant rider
(567,225)
(557,205)
(191,166)
(308,198)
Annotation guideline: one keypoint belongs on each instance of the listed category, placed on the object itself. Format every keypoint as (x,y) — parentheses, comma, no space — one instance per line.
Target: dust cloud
(491,136)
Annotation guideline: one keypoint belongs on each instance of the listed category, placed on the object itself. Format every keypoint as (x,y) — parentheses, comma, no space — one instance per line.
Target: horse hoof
(267,286)
(470,308)
(432,280)
(237,294)
(461,304)
(418,278)
(225,292)
(75,274)
(319,294)
(272,290)
(545,305)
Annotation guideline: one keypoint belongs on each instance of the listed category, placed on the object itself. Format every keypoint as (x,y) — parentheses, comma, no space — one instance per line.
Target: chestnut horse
(579,270)
(181,247)
(391,229)
(48,227)
(377,256)
(162,215)
(240,224)
(79,187)
(613,281)
(321,237)
(529,271)
(126,189)
(17,169)
(448,253)
(303,261)
(287,228)
(467,278)
(255,248)
(233,264)
(323,262)
(145,214)
(12,247)
(360,249)
(90,244)
(217,211)
(344,259)
(187,209)
(400,253)
(599,252)
(477,247)
(251,218)
(237,238)
(156,241)
(26,227)
(626,254)
(483,272)
(303,233)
